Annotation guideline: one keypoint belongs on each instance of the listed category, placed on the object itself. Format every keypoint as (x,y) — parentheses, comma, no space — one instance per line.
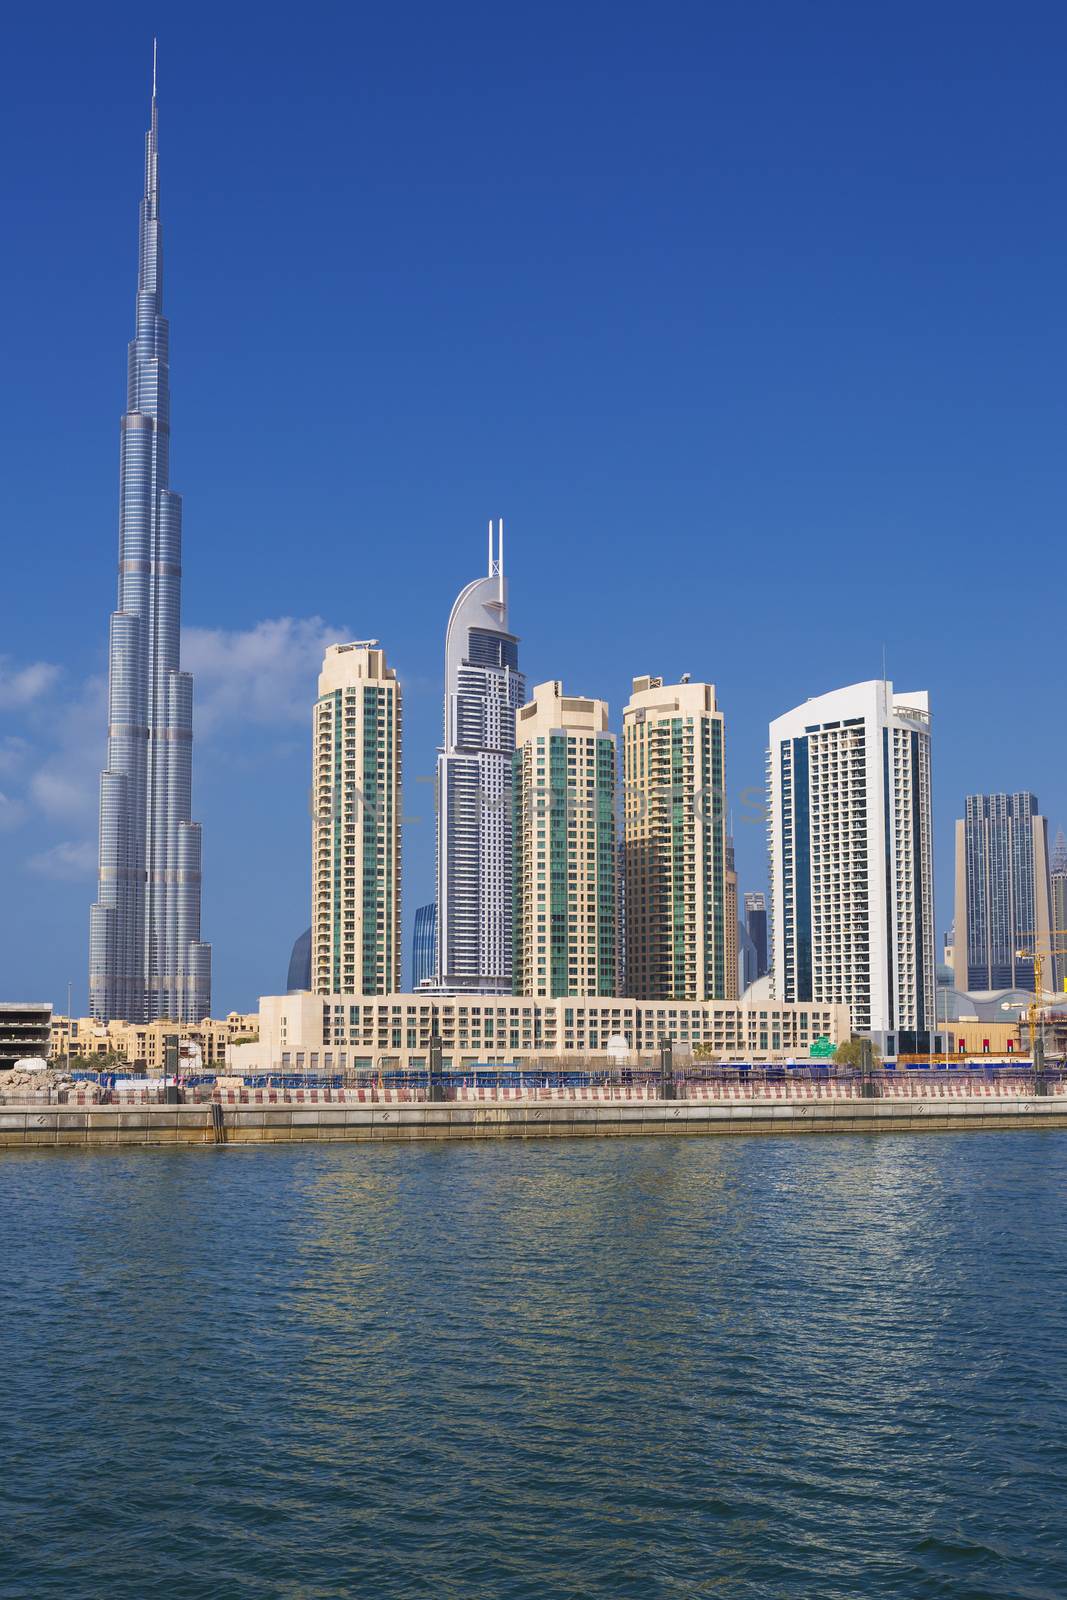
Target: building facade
(756,928)
(850,832)
(146,957)
(1059,908)
(1003,893)
(679,940)
(565,852)
(356,784)
(333,1033)
(299,974)
(731,928)
(25,1032)
(483,691)
(424,946)
(746,957)
(144,1045)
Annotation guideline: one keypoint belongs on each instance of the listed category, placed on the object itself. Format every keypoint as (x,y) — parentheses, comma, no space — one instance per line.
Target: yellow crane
(1055,945)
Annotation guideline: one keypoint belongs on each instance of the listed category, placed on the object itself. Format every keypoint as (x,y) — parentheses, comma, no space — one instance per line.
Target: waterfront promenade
(228,1117)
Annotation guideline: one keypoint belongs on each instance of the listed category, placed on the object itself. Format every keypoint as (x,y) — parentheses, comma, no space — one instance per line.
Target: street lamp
(666,1069)
(435,1089)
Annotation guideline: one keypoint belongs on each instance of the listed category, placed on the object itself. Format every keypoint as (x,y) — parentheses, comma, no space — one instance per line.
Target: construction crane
(1055,945)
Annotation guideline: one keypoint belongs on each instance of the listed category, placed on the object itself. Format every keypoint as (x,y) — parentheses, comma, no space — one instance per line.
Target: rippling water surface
(679,1368)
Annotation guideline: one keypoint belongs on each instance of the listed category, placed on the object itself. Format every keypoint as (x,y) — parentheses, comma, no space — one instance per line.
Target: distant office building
(852,901)
(565,847)
(948,953)
(25,1032)
(1059,908)
(1003,893)
(300,964)
(355,872)
(756,927)
(680,937)
(746,957)
(424,946)
(483,690)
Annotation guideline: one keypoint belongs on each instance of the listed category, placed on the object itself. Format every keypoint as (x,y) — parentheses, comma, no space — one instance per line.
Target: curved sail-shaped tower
(483,690)
(146,958)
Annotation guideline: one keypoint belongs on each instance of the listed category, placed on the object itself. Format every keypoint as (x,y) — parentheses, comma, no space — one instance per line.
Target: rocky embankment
(22,1083)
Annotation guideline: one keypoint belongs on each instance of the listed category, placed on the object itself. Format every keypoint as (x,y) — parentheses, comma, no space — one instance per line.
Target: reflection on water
(680,1368)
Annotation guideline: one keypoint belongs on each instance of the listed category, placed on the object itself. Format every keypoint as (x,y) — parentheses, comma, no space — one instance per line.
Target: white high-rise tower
(852,884)
(483,690)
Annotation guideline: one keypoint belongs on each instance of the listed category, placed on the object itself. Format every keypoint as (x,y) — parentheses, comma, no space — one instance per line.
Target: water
(828,1367)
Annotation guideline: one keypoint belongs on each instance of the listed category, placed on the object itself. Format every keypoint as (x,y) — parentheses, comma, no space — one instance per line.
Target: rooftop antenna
(155,46)
(496,561)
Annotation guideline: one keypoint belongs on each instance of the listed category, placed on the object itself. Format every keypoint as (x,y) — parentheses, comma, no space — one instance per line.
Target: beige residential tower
(564,847)
(679,941)
(355,921)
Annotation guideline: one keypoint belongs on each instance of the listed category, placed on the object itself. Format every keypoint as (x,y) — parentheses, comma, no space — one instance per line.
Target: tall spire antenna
(490,568)
(500,555)
(146,955)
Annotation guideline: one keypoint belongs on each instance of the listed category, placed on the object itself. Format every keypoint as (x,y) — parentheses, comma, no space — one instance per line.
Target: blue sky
(749,321)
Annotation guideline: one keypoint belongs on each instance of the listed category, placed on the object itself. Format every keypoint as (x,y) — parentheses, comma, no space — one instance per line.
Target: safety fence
(925,1086)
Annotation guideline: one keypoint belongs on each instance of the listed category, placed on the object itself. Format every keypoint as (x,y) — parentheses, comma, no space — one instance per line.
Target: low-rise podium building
(144,1044)
(333,1033)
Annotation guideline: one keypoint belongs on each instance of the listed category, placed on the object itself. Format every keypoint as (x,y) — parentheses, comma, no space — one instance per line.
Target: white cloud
(73,858)
(63,794)
(265,674)
(12,753)
(22,685)
(67,781)
(12,812)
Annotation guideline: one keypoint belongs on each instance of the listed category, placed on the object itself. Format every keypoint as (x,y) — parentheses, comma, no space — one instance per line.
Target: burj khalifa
(146,958)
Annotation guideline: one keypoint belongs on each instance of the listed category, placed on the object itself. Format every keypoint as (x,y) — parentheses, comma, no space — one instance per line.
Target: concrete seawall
(109,1127)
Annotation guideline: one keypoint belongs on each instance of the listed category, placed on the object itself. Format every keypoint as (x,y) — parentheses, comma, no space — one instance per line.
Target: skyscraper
(566,930)
(756,928)
(483,690)
(299,975)
(1059,908)
(852,905)
(679,944)
(146,958)
(355,872)
(746,956)
(424,945)
(1002,893)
